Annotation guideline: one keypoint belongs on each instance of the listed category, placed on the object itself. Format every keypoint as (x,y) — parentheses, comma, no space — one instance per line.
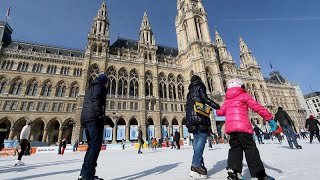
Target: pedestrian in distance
(75,146)
(140,140)
(24,138)
(172,142)
(177,139)
(198,110)
(93,120)
(60,146)
(167,141)
(238,126)
(258,133)
(312,126)
(64,145)
(123,144)
(286,124)
(154,144)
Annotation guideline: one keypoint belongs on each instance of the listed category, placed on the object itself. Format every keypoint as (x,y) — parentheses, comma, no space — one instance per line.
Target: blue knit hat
(102,78)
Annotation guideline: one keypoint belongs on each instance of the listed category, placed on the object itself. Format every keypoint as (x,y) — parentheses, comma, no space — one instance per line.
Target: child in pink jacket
(239,127)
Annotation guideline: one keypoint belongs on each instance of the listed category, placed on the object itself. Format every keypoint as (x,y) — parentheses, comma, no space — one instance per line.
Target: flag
(8,13)
(271,66)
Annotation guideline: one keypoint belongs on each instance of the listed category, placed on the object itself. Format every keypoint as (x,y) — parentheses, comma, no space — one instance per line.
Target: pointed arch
(94,71)
(32,87)
(16,86)
(172,86)
(61,89)
(74,90)
(148,83)
(3,83)
(162,85)
(46,88)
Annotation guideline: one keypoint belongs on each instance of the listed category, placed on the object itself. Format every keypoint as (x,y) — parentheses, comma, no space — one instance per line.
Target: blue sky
(285,33)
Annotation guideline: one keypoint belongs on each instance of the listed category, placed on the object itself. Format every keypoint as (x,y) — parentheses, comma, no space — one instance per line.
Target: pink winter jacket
(235,108)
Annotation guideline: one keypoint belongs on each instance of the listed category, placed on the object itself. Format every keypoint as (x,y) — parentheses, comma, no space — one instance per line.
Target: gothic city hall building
(147,83)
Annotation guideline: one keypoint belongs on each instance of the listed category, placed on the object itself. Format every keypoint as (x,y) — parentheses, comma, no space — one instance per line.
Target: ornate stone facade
(147,83)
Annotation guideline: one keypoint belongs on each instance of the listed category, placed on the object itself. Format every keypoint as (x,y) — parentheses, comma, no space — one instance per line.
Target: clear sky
(285,33)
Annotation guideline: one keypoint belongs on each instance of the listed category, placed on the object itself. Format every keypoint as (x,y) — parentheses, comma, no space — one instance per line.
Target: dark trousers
(243,142)
(312,133)
(94,132)
(259,139)
(140,145)
(178,144)
(291,136)
(23,145)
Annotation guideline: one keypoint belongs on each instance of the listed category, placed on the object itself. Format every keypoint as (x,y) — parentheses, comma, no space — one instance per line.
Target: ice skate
(232,175)
(299,147)
(19,163)
(198,172)
(264,178)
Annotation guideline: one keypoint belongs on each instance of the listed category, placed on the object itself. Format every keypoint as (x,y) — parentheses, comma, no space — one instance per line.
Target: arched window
(16,87)
(122,83)
(162,86)
(3,83)
(61,90)
(94,72)
(32,88)
(198,23)
(210,79)
(172,87)
(149,85)
(46,89)
(134,85)
(111,82)
(180,87)
(74,90)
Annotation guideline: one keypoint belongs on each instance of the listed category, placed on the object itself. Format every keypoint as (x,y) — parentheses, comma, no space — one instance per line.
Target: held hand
(273,125)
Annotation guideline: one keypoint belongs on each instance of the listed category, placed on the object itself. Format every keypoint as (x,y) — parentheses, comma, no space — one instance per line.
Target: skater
(303,133)
(60,146)
(64,146)
(93,120)
(312,125)
(24,137)
(154,144)
(75,146)
(277,133)
(239,127)
(198,123)
(177,139)
(28,148)
(123,144)
(172,142)
(167,141)
(210,140)
(3,132)
(140,140)
(286,124)
(258,133)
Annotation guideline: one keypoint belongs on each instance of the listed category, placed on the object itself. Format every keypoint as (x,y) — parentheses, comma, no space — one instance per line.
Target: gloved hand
(273,125)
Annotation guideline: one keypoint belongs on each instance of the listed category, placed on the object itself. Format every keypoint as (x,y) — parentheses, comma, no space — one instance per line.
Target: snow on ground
(280,162)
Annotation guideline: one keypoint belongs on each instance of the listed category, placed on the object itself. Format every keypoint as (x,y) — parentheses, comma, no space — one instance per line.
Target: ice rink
(165,163)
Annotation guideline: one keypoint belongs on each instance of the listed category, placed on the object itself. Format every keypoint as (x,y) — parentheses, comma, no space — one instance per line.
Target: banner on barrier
(185,131)
(175,128)
(121,132)
(52,149)
(150,131)
(133,132)
(165,131)
(108,134)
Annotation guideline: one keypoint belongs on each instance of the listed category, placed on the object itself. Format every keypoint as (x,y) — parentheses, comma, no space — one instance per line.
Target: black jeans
(178,144)
(23,145)
(94,133)
(314,132)
(240,142)
(259,139)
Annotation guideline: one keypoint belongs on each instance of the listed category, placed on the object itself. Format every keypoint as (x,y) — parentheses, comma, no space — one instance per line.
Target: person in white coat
(24,137)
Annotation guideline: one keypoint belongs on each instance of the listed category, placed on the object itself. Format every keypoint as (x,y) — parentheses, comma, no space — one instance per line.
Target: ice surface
(280,162)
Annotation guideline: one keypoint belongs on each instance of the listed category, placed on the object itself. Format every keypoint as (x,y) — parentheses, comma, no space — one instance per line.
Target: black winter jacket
(258,131)
(176,136)
(283,118)
(312,124)
(197,93)
(94,102)
(140,134)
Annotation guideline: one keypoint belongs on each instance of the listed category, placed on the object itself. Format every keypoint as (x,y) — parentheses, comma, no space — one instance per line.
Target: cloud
(274,19)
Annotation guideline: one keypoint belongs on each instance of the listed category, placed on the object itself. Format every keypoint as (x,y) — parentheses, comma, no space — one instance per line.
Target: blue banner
(165,131)
(218,118)
(151,131)
(10,143)
(133,132)
(185,131)
(175,128)
(121,132)
(108,134)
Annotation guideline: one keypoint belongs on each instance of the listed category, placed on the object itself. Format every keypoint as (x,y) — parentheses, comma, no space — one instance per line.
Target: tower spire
(247,59)
(146,34)
(100,26)
(218,39)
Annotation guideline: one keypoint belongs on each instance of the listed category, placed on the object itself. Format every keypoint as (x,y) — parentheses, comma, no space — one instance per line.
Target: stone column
(11,135)
(45,133)
(60,134)
(170,130)
(157,131)
(114,134)
(127,133)
(181,132)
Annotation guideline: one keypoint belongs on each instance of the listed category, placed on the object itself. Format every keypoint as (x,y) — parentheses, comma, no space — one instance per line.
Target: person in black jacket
(92,119)
(198,124)
(312,125)
(177,139)
(286,124)
(140,140)
(258,132)
(3,132)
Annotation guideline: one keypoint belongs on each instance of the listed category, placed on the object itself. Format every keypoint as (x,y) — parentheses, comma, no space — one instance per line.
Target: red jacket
(235,108)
